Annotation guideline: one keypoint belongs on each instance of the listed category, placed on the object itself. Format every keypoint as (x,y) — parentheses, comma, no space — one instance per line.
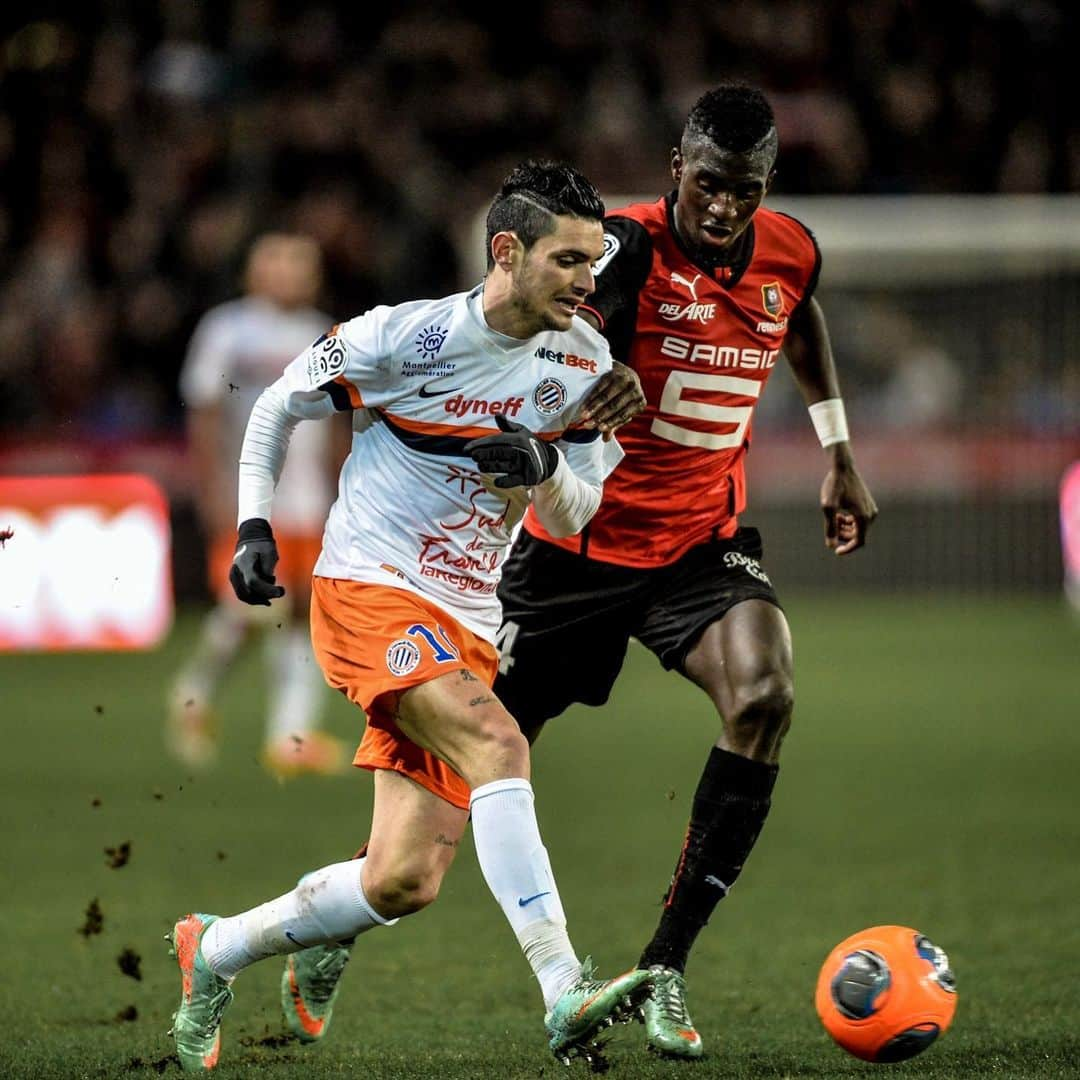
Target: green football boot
(590,1006)
(309,985)
(669,1031)
(204,997)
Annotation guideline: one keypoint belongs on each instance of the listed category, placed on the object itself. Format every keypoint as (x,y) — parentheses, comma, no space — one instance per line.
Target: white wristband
(830,421)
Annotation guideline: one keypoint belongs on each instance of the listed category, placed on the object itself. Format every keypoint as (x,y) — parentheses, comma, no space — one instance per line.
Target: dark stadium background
(142,145)
(930,775)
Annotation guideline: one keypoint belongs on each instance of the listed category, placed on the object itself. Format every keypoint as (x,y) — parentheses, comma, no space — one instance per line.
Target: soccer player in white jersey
(238,349)
(471,409)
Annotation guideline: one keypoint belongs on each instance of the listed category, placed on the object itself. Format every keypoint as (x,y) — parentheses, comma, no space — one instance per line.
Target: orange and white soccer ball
(886,993)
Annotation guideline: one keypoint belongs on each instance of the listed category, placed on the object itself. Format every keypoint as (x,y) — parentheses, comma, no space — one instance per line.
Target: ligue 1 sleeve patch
(402,657)
(326,358)
(611,249)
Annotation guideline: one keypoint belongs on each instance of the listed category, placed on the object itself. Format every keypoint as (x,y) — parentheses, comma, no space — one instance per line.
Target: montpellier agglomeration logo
(429,341)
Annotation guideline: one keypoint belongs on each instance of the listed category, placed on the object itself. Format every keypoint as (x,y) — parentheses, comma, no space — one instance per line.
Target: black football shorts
(567,620)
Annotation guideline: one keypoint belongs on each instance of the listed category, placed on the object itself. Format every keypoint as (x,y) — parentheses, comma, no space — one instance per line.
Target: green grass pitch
(930,779)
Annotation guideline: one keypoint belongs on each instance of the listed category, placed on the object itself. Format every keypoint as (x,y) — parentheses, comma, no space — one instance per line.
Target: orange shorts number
(374,641)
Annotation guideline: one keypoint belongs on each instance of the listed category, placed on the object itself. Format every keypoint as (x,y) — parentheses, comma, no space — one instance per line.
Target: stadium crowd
(143,145)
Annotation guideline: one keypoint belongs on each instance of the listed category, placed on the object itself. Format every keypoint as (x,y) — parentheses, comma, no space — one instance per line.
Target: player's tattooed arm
(615,400)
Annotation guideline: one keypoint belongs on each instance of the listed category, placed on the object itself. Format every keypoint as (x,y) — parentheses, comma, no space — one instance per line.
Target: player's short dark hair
(534,194)
(732,116)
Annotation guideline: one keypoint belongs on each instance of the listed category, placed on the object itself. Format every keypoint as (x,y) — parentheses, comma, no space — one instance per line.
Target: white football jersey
(412,512)
(238,349)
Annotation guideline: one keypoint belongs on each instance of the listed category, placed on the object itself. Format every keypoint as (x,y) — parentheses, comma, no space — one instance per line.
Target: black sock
(730,806)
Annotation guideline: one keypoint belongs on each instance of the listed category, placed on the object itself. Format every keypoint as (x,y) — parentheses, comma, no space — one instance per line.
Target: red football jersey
(703,340)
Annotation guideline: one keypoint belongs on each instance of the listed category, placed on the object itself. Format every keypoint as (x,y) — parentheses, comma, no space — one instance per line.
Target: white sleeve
(276,412)
(566,501)
(266,440)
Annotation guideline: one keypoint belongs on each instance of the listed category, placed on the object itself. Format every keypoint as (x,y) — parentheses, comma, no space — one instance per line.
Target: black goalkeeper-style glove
(252,572)
(523,458)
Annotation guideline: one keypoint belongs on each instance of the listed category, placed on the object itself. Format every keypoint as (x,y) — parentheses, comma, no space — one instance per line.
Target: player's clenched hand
(252,572)
(522,458)
(616,399)
(849,509)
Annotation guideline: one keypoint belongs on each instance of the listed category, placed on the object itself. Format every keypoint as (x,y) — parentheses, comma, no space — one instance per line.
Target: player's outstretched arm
(514,455)
(266,440)
(518,458)
(846,502)
(615,400)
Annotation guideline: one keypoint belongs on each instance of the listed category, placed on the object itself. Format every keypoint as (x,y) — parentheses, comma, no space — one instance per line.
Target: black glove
(252,572)
(523,458)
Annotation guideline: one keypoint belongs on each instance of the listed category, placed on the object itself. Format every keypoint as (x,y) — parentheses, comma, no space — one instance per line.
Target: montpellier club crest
(549,396)
(402,657)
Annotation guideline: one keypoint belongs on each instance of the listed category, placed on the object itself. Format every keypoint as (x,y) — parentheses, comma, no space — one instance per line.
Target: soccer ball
(886,993)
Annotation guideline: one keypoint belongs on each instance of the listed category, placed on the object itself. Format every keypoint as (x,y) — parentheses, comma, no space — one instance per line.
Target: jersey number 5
(673,403)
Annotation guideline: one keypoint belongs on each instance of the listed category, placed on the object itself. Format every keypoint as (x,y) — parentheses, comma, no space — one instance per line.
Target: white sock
(517,870)
(547,947)
(297,685)
(327,906)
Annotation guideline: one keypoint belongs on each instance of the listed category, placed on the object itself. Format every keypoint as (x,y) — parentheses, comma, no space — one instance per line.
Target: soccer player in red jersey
(699,293)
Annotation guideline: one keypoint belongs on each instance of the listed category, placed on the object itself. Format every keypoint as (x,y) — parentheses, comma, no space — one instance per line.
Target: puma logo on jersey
(691,286)
(692,312)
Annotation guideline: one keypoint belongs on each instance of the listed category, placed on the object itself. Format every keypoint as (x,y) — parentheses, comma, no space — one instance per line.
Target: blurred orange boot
(313,752)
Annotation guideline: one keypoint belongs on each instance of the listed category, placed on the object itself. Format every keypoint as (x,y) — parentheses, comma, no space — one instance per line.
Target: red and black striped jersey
(703,340)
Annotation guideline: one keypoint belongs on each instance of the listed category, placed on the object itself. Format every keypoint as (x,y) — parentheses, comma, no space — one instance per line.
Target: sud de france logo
(549,396)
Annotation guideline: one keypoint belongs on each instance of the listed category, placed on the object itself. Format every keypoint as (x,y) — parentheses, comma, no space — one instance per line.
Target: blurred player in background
(698,292)
(238,349)
(474,419)
(1070,533)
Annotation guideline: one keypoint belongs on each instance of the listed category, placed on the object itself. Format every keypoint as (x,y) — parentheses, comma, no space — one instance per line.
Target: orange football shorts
(374,641)
(297,554)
